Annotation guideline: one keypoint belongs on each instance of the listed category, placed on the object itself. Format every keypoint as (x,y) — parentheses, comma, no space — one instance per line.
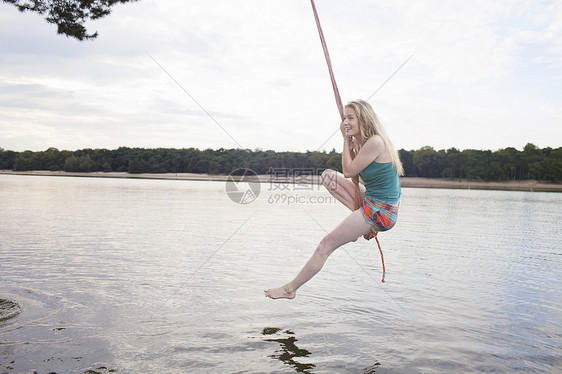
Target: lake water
(129,276)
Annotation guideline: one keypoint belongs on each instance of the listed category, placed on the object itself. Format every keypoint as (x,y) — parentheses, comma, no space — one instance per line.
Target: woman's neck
(359,141)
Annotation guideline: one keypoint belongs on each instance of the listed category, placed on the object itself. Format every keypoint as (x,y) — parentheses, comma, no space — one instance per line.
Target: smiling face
(351,122)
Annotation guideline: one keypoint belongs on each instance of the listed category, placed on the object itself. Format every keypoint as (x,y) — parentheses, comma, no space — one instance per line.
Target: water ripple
(102,274)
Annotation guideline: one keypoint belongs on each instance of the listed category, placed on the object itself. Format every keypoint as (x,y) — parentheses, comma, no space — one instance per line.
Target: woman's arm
(346,154)
(367,154)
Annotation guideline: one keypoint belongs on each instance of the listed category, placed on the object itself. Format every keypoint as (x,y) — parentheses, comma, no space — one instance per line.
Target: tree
(79,164)
(428,163)
(24,161)
(69,15)
(532,156)
(318,160)
(407,158)
(138,165)
(504,164)
(334,162)
(51,160)
(7,159)
(506,159)
(474,163)
(452,162)
(552,165)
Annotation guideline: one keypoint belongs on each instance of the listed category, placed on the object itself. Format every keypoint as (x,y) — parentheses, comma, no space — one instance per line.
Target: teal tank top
(382,183)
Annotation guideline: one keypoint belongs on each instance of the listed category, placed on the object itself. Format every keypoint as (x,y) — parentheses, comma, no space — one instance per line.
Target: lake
(130,275)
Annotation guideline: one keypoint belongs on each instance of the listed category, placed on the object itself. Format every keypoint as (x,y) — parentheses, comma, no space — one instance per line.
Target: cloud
(482,70)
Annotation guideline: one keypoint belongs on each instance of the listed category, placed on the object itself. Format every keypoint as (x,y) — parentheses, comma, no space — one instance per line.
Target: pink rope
(357,197)
(328,61)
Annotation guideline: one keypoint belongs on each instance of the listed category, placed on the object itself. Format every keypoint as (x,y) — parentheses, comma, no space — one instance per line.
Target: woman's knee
(326,246)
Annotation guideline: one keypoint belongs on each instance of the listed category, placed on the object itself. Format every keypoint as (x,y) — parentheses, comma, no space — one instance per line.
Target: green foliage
(428,162)
(80,163)
(503,164)
(7,159)
(69,15)
(407,158)
(51,159)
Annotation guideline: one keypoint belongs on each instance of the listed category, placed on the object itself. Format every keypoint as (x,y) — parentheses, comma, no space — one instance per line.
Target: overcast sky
(484,75)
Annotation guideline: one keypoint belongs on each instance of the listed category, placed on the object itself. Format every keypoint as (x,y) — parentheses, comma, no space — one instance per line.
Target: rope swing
(358,202)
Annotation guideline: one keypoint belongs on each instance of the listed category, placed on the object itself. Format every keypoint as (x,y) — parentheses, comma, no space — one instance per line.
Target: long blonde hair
(369,125)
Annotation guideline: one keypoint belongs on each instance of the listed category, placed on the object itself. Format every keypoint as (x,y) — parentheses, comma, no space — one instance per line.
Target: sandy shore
(530,185)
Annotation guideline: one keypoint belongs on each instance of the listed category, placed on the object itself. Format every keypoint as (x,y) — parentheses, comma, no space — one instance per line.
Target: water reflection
(289,350)
(371,369)
(79,256)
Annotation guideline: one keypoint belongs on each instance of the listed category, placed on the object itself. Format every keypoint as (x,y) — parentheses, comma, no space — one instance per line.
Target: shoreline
(407,182)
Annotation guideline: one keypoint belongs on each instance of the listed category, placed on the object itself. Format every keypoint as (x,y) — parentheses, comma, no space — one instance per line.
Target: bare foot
(280,293)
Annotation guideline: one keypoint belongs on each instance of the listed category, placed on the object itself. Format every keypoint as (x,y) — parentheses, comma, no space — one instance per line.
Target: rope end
(383,274)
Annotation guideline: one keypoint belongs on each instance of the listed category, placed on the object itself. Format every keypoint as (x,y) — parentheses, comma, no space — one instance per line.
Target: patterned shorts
(380,216)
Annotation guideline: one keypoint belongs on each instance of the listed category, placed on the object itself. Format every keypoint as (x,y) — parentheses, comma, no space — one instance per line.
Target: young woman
(379,166)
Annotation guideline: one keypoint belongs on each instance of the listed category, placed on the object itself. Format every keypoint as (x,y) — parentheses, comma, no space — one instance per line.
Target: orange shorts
(380,216)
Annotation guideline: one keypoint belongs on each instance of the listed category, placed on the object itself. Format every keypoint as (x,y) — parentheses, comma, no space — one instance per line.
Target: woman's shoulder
(378,147)
(376,140)
(376,144)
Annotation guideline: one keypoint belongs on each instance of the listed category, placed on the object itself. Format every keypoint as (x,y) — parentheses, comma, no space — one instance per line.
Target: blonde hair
(369,125)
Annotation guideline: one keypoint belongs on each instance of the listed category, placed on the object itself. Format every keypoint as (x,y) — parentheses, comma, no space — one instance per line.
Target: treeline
(504,164)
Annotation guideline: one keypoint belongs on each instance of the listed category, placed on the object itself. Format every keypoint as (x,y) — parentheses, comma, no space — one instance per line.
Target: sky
(251,74)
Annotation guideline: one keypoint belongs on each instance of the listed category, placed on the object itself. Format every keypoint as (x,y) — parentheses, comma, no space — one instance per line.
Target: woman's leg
(340,187)
(348,230)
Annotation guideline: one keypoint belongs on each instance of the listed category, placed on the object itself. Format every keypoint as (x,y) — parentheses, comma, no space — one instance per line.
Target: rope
(358,202)
(382,257)
(328,61)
